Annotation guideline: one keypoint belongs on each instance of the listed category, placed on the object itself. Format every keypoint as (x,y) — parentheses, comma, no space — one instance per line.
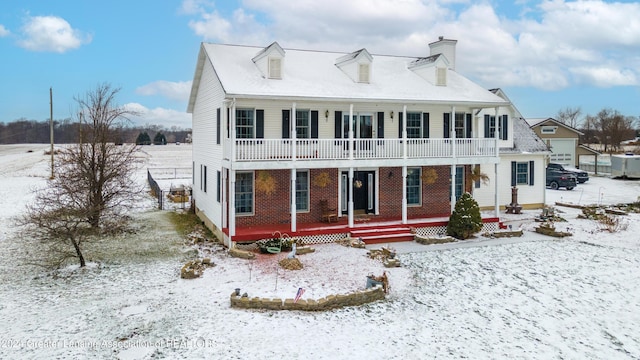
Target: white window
(275,68)
(363,73)
(244,123)
(302,191)
(303,124)
(244,193)
(414,125)
(548,129)
(414,186)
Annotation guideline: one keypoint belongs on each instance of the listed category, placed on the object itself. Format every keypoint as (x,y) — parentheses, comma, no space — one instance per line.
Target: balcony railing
(340,149)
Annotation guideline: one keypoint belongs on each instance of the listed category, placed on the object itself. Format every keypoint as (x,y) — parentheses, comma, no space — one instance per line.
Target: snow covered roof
(310,74)
(525,140)
(538,121)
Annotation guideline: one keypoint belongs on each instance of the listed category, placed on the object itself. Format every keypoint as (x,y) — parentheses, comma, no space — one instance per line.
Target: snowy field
(532,297)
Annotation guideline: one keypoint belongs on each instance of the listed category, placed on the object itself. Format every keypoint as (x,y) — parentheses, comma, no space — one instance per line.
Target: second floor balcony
(263,150)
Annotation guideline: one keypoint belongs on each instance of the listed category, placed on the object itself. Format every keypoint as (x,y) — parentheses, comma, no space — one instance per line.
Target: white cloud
(159,116)
(172,90)
(51,33)
(3,31)
(551,45)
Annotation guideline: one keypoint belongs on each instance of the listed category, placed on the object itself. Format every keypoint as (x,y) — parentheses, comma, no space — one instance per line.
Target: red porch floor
(254,233)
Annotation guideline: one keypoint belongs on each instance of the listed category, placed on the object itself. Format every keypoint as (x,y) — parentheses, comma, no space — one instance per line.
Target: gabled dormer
(357,65)
(270,61)
(432,68)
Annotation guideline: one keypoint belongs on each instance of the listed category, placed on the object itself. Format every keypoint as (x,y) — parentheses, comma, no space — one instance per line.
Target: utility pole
(51,126)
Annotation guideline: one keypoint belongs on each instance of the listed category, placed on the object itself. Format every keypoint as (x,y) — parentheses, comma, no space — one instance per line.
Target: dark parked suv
(581,176)
(557,179)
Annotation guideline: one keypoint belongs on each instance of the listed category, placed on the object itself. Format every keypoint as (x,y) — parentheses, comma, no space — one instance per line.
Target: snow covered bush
(465,219)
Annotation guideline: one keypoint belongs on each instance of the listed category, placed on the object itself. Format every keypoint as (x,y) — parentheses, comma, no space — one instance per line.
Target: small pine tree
(465,219)
(143,139)
(159,139)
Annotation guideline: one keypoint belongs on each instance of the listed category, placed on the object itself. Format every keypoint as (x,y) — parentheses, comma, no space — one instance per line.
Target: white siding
(527,194)
(205,150)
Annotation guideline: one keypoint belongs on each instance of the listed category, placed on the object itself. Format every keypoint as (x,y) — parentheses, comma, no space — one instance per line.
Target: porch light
(326,115)
(391,114)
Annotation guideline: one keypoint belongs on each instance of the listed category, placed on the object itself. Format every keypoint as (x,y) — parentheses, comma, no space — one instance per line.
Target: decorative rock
(242,254)
(291,264)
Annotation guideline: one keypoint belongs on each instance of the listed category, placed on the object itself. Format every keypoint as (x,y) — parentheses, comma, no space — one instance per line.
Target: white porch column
(293,201)
(350,202)
(223,187)
(404,192)
(351,141)
(292,128)
(404,134)
(232,204)
(232,126)
(452,136)
(495,175)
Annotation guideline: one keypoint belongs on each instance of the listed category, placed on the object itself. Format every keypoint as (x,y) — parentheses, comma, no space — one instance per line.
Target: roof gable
(551,122)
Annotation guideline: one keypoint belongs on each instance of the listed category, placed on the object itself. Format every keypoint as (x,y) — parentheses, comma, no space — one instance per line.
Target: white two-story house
(322,144)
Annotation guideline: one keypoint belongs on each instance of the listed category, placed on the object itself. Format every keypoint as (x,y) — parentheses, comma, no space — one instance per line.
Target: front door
(363,188)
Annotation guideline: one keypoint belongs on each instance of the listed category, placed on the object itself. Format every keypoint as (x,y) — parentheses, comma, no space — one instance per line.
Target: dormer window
(356,65)
(275,68)
(270,61)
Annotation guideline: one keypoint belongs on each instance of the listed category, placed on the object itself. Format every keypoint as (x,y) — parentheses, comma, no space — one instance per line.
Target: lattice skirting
(303,240)
(433,231)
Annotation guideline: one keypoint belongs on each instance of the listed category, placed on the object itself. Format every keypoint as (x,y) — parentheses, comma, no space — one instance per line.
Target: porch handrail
(338,149)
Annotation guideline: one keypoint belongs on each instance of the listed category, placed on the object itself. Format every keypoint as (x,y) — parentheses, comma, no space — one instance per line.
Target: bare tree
(613,128)
(93,186)
(569,116)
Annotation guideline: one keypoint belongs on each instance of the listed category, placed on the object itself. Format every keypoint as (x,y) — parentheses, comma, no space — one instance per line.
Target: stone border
(356,298)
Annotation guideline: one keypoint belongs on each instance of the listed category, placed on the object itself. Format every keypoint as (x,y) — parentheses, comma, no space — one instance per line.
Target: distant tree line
(66,131)
(608,127)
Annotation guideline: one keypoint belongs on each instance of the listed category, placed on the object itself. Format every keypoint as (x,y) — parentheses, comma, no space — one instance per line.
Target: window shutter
(380,125)
(338,125)
(513,173)
(218,187)
(468,125)
(505,127)
(286,123)
(259,124)
(531,163)
(425,125)
(446,118)
(400,121)
(218,126)
(487,129)
(314,124)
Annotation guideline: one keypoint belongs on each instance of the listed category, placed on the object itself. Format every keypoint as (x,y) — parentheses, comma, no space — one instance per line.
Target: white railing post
(452,135)
(350,202)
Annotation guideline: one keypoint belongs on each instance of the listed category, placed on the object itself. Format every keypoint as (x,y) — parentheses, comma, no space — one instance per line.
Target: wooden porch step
(383,235)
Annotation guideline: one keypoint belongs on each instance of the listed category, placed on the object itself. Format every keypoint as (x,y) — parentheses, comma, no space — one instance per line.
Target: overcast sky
(546,55)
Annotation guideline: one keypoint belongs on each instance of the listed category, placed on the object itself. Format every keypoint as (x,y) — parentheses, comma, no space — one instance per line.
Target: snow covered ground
(532,297)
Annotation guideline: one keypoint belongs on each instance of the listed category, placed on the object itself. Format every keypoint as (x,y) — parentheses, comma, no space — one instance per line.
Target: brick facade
(274,208)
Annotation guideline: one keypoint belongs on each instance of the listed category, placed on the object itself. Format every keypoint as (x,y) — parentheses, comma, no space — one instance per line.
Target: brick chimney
(445,47)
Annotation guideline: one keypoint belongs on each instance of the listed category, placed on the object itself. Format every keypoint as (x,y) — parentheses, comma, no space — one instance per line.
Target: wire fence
(171,187)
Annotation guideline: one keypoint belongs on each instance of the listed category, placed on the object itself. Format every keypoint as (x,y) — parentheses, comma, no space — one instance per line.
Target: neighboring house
(386,142)
(563,141)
